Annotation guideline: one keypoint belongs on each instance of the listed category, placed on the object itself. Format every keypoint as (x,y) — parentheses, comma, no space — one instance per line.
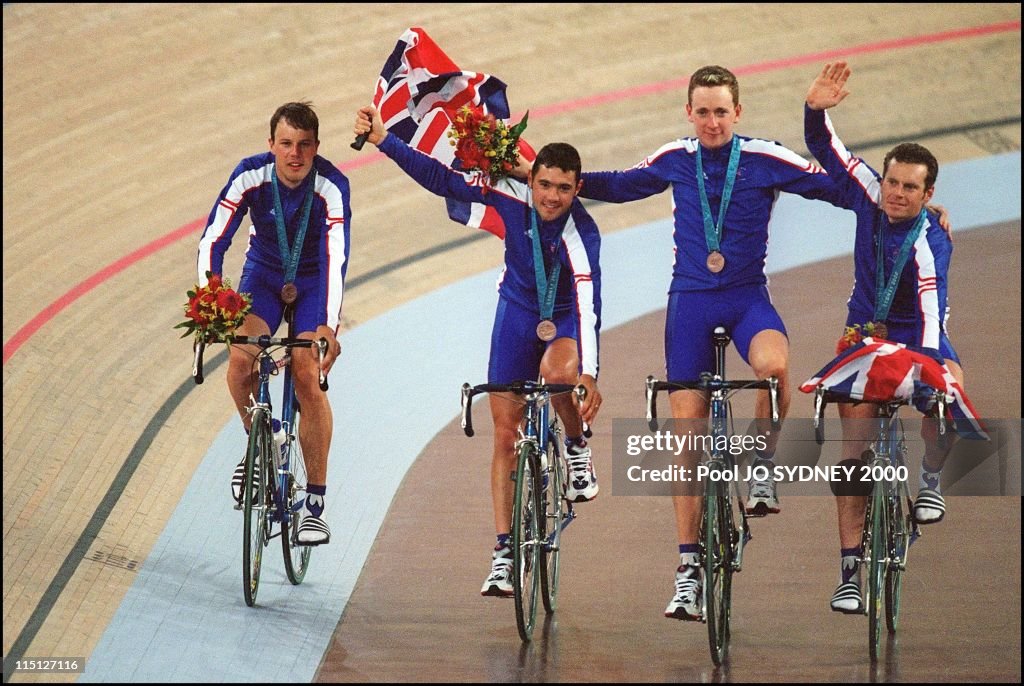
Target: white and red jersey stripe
(573,239)
(325,249)
(922,290)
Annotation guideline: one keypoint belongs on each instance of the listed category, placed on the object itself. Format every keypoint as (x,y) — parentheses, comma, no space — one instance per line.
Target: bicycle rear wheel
(899,544)
(876,567)
(526,511)
(255,503)
(717,569)
(553,505)
(296,557)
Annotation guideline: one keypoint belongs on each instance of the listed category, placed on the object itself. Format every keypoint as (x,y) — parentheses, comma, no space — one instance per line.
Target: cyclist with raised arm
(724,188)
(901,279)
(297,257)
(548,318)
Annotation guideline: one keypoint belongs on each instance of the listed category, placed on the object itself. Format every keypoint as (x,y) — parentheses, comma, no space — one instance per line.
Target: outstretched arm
(829,88)
(430,173)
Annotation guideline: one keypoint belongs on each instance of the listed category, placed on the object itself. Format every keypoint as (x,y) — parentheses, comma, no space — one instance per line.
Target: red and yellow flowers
(214,310)
(484,143)
(853,335)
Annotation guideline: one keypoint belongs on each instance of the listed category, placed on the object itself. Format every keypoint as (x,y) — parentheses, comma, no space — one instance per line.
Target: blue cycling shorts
(515,349)
(692,316)
(265,285)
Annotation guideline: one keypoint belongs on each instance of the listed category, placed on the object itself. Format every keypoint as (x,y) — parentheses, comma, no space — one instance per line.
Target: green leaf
(518,129)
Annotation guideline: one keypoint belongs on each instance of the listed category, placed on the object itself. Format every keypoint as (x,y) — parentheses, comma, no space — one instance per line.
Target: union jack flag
(879,371)
(417,93)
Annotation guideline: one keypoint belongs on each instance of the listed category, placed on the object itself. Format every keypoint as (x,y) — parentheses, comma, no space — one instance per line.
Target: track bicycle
(274,503)
(889,525)
(724,525)
(540,507)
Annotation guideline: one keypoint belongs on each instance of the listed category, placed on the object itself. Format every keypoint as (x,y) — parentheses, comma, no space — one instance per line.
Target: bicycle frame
(280,504)
(261,409)
(539,495)
(721,540)
(889,528)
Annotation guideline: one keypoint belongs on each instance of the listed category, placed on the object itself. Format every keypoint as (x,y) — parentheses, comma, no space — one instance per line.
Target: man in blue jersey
(296,258)
(901,268)
(548,318)
(724,188)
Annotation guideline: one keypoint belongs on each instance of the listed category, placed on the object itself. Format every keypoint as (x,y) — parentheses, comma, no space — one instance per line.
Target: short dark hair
(712,76)
(300,115)
(912,153)
(561,155)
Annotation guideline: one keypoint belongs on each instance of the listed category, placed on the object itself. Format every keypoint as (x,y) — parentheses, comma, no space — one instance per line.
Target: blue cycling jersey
(765,169)
(921,294)
(325,247)
(573,239)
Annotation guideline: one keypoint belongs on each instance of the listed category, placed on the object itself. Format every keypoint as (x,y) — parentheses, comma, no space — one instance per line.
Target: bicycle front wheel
(554,506)
(717,568)
(899,544)
(296,557)
(255,503)
(526,511)
(877,565)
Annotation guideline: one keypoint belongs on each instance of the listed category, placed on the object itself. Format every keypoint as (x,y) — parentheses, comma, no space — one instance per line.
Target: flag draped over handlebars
(876,370)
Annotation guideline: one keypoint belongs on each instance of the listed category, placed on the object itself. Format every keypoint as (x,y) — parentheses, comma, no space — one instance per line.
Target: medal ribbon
(713,232)
(290,258)
(547,284)
(885,292)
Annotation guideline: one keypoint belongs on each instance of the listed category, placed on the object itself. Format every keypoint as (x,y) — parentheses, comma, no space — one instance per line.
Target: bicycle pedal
(311,544)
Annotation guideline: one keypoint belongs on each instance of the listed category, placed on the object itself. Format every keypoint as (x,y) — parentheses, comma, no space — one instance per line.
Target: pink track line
(50,311)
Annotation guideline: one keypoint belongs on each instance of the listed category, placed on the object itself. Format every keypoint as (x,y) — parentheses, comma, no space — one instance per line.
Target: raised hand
(828,89)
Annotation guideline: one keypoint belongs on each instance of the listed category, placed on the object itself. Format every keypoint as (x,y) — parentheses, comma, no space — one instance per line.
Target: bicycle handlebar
(710,383)
(197,363)
(823,397)
(519,388)
(263,342)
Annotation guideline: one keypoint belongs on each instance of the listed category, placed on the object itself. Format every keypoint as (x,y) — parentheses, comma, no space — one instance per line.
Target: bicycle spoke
(553,504)
(716,539)
(296,557)
(255,505)
(877,569)
(525,544)
(898,545)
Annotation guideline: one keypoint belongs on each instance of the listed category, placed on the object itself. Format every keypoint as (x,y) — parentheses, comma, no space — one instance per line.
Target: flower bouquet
(485,143)
(215,310)
(853,335)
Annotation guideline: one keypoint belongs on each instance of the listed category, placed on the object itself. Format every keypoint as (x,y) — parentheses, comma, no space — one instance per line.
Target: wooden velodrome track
(121,123)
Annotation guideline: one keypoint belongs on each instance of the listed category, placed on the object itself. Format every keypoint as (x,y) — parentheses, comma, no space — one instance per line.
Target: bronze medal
(289,293)
(546,330)
(880,331)
(716,262)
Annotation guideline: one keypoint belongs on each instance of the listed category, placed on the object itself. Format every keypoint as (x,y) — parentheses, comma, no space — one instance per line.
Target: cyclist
(297,256)
(724,188)
(906,291)
(542,218)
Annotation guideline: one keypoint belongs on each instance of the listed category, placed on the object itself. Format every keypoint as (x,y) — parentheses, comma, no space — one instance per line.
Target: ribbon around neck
(547,284)
(290,256)
(712,231)
(886,291)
